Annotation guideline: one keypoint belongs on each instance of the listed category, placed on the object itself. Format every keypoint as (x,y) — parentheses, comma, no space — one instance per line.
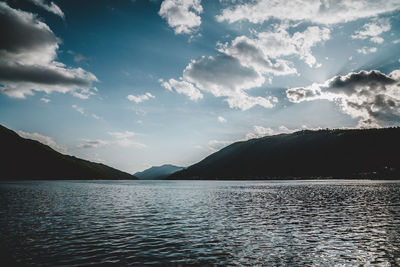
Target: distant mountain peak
(158,172)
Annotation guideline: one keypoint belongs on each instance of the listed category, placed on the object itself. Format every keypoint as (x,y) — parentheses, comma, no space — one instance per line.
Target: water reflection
(200,223)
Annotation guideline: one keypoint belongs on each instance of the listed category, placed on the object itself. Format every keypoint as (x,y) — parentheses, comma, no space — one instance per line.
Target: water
(206,223)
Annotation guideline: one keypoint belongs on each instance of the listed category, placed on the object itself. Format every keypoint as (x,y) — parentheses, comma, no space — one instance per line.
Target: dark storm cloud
(372,96)
(28,49)
(22,31)
(373,80)
(42,75)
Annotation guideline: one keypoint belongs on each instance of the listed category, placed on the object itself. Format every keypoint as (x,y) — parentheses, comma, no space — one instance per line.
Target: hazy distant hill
(28,159)
(158,172)
(367,153)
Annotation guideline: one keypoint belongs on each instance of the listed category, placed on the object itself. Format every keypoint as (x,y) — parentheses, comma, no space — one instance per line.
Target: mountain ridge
(339,153)
(26,159)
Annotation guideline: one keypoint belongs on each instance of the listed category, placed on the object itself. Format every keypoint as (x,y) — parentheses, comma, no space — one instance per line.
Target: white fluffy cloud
(373,30)
(221,119)
(252,54)
(257,52)
(244,63)
(316,11)
(182,87)
(259,131)
(224,76)
(366,50)
(372,96)
(44,140)
(28,49)
(140,98)
(50,7)
(182,15)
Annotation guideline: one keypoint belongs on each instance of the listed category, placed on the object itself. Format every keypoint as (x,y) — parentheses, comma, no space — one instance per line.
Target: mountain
(30,160)
(358,153)
(158,172)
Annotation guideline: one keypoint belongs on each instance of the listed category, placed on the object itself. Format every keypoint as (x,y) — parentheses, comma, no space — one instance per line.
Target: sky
(134,84)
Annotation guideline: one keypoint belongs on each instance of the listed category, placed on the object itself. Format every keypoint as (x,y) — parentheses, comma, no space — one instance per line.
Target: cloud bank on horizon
(185,70)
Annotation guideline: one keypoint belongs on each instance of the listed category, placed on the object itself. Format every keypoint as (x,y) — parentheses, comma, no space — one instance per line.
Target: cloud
(79,109)
(50,7)
(221,75)
(221,119)
(258,52)
(84,93)
(224,76)
(96,116)
(82,111)
(28,49)
(371,96)
(366,50)
(44,140)
(121,139)
(129,143)
(140,98)
(259,131)
(315,11)
(121,135)
(243,63)
(182,87)
(251,54)
(77,57)
(215,145)
(90,143)
(182,15)
(373,30)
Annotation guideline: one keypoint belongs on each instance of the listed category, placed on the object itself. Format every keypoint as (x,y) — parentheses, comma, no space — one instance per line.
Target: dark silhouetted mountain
(358,153)
(31,160)
(158,172)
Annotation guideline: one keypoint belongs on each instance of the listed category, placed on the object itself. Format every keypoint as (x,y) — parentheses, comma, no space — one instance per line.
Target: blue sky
(139,83)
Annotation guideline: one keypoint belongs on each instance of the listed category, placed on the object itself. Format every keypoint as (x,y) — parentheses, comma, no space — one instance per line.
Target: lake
(206,223)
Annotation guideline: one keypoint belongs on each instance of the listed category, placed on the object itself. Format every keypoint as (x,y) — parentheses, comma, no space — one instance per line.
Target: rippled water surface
(125,223)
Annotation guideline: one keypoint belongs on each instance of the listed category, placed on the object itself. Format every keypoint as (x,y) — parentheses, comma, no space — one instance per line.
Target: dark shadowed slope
(367,153)
(28,159)
(158,172)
